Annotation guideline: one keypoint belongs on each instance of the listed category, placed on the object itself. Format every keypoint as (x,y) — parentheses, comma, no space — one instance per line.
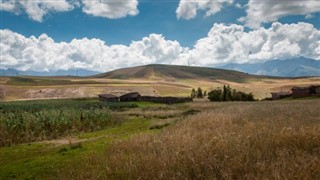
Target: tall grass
(261,140)
(43,120)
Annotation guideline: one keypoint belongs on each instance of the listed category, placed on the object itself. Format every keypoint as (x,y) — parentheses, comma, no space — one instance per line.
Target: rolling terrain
(156,80)
(173,73)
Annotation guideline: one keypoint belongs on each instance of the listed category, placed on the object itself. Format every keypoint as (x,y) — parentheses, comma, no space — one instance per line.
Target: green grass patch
(45,160)
(28,121)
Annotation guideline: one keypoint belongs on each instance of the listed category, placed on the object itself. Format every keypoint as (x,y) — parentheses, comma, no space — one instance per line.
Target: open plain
(156,80)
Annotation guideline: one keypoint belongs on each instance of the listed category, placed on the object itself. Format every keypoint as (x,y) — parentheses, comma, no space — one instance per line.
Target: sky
(103,35)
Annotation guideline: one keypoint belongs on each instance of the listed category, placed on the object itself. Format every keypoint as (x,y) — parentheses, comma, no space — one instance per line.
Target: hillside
(153,80)
(173,72)
(70,72)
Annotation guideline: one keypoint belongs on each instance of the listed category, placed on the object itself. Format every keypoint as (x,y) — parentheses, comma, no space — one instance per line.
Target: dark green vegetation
(198,93)
(229,94)
(177,72)
(28,121)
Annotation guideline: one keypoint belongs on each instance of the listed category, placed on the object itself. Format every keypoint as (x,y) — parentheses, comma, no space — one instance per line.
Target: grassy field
(198,140)
(261,140)
(54,87)
(39,138)
(152,80)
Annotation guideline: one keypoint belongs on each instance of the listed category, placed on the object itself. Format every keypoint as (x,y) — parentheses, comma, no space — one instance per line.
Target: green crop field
(43,120)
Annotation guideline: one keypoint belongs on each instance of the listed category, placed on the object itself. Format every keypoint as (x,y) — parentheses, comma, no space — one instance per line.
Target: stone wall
(167,100)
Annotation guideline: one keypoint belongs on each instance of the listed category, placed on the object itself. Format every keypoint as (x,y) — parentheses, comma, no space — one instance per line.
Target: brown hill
(172,72)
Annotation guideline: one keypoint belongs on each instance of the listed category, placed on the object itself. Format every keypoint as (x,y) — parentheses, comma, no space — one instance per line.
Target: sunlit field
(263,140)
(87,139)
(30,88)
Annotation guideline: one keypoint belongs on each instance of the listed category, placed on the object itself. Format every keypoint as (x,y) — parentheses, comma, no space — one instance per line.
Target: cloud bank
(230,43)
(43,54)
(37,9)
(257,11)
(223,44)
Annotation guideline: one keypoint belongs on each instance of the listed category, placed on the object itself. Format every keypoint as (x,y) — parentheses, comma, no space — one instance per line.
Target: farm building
(108,98)
(134,96)
(305,91)
(317,90)
(280,95)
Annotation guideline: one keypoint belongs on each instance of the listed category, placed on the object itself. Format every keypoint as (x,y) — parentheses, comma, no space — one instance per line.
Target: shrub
(229,94)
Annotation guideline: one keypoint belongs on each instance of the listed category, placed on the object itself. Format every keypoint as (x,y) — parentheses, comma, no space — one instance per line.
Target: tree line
(198,93)
(224,94)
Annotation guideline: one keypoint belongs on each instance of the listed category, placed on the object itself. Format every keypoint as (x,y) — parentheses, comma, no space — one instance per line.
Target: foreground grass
(47,159)
(260,140)
(44,160)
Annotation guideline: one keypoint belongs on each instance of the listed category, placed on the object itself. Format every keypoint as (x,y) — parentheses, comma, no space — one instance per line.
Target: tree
(229,94)
(215,95)
(193,93)
(199,93)
(224,93)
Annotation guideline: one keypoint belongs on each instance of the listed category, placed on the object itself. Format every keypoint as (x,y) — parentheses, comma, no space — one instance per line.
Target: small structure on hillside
(280,95)
(317,90)
(134,96)
(305,91)
(108,98)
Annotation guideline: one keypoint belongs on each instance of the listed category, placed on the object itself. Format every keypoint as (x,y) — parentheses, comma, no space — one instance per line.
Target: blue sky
(154,17)
(158,18)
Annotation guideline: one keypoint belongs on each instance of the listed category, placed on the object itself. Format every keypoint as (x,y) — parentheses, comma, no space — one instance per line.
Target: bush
(229,94)
(198,93)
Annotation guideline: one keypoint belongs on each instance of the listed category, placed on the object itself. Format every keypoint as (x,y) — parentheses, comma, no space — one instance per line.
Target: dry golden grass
(260,140)
(178,87)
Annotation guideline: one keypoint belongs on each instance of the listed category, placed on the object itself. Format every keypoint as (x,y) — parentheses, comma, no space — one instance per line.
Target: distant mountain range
(283,68)
(71,72)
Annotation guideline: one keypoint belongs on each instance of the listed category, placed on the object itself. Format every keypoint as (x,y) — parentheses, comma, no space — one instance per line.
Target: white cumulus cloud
(259,11)
(43,54)
(230,43)
(110,8)
(187,9)
(35,9)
